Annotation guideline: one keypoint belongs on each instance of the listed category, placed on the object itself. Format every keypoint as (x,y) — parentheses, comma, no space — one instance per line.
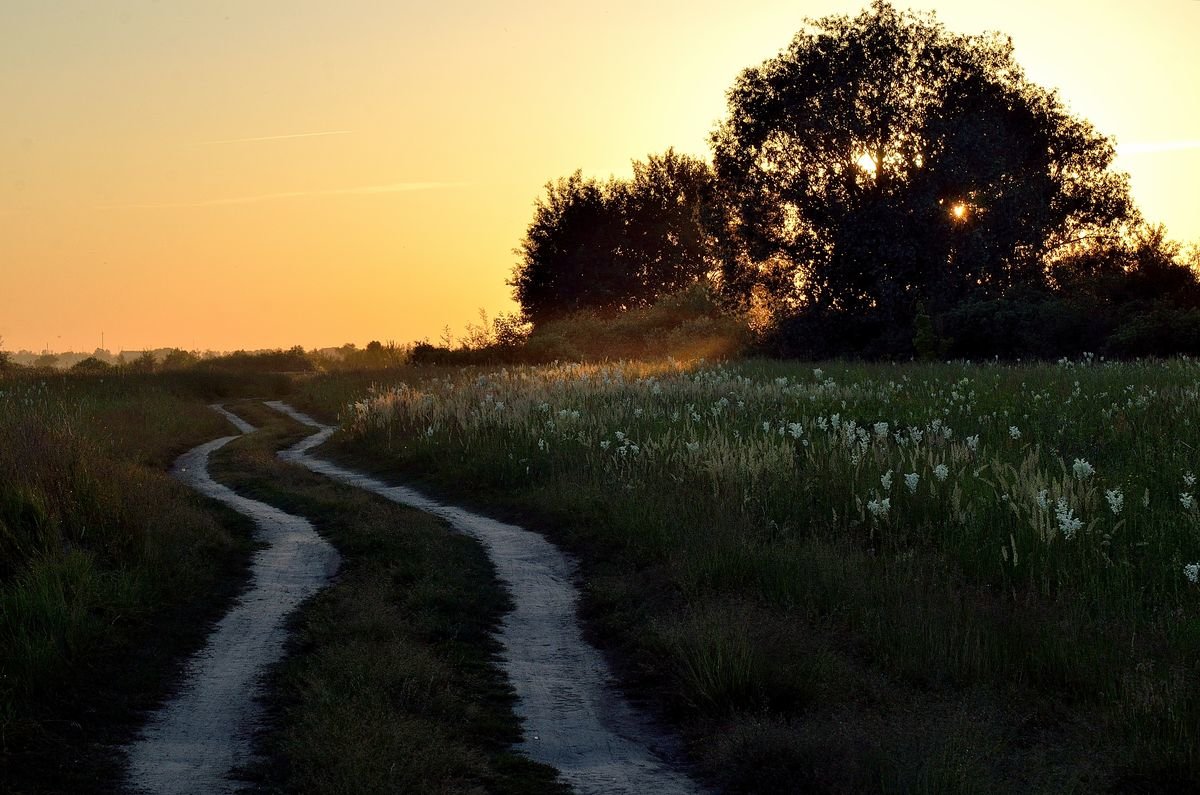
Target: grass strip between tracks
(390,684)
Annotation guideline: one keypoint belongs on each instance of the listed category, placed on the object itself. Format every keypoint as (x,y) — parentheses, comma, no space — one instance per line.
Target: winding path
(200,736)
(573,717)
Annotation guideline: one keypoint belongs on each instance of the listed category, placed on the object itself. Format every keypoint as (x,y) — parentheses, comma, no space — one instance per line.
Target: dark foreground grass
(111,573)
(390,684)
(795,654)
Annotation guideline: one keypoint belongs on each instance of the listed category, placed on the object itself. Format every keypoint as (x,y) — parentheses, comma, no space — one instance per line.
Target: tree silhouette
(881,161)
(616,245)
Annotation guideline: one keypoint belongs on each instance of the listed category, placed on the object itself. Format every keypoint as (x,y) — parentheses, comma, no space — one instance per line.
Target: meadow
(110,570)
(842,577)
(946,577)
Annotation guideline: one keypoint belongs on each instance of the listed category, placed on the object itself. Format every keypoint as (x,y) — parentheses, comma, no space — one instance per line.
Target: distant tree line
(883,188)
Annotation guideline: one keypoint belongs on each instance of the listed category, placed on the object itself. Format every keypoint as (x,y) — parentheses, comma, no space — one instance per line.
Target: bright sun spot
(866,163)
(959,211)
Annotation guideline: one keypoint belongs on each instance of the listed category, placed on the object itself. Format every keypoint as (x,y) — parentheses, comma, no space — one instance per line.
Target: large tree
(881,161)
(618,244)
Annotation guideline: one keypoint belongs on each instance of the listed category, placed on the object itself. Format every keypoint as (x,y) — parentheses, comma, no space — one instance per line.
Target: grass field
(896,577)
(110,571)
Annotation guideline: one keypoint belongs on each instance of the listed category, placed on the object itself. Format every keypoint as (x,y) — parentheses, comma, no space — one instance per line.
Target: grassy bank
(110,571)
(898,578)
(390,683)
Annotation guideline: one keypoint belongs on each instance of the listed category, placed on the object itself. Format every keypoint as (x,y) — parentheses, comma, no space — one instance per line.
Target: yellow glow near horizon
(222,174)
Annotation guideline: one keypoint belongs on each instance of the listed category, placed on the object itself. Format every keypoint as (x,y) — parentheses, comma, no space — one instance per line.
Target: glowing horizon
(222,175)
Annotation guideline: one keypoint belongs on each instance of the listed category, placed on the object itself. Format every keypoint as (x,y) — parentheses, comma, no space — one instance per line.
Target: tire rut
(573,717)
(204,733)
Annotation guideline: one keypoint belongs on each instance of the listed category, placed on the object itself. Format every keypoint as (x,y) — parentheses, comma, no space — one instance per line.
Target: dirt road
(199,737)
(573,717)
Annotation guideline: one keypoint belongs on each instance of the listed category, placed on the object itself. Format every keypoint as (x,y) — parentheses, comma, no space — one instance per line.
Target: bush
(687,324)
(1162,331)
(91,365)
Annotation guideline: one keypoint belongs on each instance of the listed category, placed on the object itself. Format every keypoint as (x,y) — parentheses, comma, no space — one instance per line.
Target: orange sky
(162,178)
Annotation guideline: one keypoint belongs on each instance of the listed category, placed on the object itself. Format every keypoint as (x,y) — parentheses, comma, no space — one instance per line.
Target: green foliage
(91,365)
(376,356)
(926,341)
(616,245)
(293,360)
(178,359)
(688,324)
(975,173)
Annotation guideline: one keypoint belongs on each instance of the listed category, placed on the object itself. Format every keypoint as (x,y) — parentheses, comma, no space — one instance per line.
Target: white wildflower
(881,430)
(1067,523)
(542,445)
(1116,500)
(1189,479)
(910,480)
(1082,469)
(693,447)
(886,480)
(941,472)
(879,507)
(1187,500)
(795,430)
(973,443)
(818,373)
(1043,499)
(1192,572)
(1014,432)
(604,443)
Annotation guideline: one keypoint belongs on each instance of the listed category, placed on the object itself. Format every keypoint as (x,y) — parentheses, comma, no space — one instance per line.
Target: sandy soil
(574,719)
(196,739)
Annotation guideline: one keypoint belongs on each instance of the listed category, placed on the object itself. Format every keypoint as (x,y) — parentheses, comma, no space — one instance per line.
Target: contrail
(276,137)
(393,187)
(1154,147)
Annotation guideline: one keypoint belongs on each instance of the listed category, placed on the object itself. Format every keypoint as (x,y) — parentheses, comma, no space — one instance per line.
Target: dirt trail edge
(193,742)
(573,717)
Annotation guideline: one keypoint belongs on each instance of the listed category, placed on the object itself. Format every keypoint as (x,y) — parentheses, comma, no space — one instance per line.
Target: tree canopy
(618,244)
(881,161)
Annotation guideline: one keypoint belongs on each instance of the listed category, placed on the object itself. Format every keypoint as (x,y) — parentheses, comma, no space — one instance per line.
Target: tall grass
(96,540)
(1021,534)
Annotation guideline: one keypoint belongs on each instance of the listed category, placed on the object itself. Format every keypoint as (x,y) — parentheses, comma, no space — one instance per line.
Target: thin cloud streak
(1156,147)
(393,187)
(276,137)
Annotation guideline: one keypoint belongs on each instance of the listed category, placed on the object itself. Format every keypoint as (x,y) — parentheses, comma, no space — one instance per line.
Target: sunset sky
(253,173)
